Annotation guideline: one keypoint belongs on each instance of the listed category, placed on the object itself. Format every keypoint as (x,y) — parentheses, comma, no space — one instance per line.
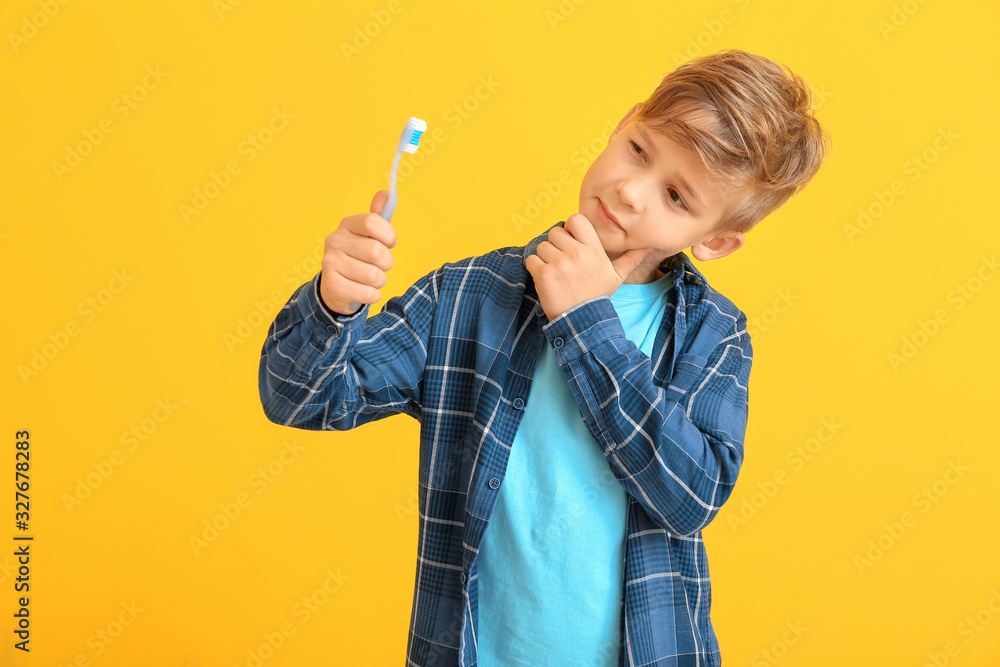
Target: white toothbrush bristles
(415,127)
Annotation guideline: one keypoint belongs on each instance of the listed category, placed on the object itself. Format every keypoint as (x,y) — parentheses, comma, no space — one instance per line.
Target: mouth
(606,216)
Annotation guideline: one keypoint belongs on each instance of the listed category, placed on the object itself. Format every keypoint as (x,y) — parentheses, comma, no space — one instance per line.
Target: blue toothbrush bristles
(414,129)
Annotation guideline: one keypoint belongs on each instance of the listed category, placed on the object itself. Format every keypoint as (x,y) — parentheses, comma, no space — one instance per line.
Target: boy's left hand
(572,266)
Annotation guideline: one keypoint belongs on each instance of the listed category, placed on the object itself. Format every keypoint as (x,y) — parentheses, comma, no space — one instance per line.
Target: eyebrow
(680,178)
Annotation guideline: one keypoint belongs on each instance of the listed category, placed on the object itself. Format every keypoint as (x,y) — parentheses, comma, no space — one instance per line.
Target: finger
(533,263)
(363,273)
(547,251)
(354,292)
(372,225)
(378,201)
(372,251)
(529,264)
(582,229)
(565,240)
(378,205)
(629,261)
(357,238)
(560,238)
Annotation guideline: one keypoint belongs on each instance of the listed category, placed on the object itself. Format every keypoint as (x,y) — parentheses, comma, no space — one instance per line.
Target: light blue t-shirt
(552,559)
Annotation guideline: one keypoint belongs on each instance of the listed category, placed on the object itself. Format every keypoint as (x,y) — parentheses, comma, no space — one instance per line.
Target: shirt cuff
(322,321)
(583,327)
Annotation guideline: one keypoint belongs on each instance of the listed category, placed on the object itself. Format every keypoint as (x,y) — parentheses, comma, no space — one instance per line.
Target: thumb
(629,260)
(379,200)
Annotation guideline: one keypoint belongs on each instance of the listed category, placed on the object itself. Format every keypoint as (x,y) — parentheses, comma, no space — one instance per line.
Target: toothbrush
(407,142)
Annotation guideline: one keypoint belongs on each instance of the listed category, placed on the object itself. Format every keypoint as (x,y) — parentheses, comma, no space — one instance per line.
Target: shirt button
(462,577)
(332,329)
(558,342)
(494,483)
(518,403)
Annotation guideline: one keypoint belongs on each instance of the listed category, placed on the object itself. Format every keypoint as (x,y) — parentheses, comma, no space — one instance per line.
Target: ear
(718,246)
(624,121)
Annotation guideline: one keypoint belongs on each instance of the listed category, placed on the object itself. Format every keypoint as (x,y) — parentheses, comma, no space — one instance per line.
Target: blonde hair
(750,122)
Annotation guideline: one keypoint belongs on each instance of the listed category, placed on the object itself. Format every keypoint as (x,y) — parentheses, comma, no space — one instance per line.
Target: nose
(630,190)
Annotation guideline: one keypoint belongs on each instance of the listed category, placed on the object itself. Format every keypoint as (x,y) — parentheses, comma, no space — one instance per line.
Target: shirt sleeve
(676,449)
(323,371)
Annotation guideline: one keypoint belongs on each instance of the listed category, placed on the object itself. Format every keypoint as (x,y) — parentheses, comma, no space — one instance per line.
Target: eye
(679,201)
(670,191)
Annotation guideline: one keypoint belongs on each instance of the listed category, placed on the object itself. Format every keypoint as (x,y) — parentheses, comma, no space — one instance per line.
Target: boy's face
(661,196)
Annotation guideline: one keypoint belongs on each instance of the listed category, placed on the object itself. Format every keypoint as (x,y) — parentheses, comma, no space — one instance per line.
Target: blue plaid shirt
(457,352)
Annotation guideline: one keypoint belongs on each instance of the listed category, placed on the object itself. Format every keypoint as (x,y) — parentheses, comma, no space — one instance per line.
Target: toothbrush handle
(390,204)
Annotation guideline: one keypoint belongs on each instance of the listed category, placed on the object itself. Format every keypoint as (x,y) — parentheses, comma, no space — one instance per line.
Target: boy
(584,396)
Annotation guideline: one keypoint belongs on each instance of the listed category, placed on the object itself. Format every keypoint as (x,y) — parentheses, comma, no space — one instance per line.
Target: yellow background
(184,322)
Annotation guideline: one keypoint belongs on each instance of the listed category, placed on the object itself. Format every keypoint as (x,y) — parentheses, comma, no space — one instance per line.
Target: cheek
(603,168)
(660,229)
(588,178)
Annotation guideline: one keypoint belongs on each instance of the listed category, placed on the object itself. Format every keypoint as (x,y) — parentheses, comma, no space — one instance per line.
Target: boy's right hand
(355,259)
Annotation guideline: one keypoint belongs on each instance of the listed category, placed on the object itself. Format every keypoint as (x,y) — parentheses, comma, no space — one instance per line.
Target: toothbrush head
(411,134)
